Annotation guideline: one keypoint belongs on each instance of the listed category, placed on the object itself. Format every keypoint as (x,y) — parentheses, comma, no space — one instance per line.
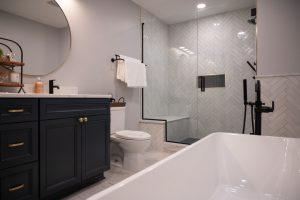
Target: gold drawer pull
(16,188)
(16,145)
(16,110)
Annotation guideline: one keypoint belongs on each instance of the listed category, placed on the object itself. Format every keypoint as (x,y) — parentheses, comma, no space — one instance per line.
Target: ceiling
(36,10)
(175,11)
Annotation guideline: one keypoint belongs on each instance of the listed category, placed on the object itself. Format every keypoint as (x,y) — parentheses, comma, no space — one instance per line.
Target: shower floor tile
(189,140)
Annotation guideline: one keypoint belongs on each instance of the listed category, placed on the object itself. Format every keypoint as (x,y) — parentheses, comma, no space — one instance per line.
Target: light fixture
(181,47)
(201,5)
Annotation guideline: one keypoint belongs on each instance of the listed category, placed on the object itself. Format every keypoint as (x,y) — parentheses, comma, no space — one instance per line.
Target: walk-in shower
(196,71)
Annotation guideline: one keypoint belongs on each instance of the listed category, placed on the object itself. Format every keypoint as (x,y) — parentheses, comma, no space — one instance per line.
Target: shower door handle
(202,83)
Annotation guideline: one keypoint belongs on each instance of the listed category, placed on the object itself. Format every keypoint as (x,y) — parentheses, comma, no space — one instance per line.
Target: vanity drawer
(18,110)
(19,183)
(64,108)
(18,143)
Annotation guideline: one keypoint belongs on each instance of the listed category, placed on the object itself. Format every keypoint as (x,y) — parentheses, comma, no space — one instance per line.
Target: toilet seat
(132,135)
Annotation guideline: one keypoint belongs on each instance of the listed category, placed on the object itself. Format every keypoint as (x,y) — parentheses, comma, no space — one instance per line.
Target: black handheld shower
(245,91)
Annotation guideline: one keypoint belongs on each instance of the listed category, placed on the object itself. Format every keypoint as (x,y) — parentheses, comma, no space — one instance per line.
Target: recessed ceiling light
(201,5)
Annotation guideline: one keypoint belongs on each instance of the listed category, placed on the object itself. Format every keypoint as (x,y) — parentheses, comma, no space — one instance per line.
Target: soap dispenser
(39,86)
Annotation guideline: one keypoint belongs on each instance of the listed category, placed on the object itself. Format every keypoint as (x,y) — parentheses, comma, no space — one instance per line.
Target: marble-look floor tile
(116,175)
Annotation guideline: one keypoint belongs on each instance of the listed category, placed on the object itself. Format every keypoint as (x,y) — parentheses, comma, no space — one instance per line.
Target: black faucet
(258,106)
(52,86)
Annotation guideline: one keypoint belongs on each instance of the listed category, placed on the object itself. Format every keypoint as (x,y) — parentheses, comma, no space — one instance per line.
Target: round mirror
(41,29)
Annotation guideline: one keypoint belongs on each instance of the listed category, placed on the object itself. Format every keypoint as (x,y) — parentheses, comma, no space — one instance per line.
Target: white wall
(278,54)
(99,30)
(278,37)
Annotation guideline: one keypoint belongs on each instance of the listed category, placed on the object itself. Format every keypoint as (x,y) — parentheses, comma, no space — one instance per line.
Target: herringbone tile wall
(224,42)
(221,44)
(285,120)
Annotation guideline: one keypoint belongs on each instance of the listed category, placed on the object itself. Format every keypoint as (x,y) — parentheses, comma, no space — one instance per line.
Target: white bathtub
(221,166)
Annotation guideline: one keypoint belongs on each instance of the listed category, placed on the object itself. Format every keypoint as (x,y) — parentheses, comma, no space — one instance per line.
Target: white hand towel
(121,66)
(135,74)
(121,70)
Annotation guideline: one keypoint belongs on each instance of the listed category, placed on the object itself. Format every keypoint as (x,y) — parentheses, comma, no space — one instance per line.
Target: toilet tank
(117,119)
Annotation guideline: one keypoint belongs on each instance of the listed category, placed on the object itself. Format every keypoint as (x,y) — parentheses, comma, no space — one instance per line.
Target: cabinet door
(60,155)
(95,146)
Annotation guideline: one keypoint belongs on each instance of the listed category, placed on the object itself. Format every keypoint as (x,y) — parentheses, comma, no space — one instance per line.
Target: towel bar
(117,57)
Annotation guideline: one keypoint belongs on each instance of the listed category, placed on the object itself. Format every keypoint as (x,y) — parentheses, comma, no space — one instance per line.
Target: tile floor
(117,174)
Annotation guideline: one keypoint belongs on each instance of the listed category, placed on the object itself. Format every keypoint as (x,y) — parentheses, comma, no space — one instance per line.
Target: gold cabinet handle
(16,145)
(85,119)
(81,120)
(13,189)
(16,110)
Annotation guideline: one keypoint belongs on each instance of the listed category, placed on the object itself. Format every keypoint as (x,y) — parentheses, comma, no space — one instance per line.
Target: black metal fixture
(202,83)
(252,66)
(116,58)
(52,86)
(10,50)
(257,106)
(21,58)
(260,108)
(253,17)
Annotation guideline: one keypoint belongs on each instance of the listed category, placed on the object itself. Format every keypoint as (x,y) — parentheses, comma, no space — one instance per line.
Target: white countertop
(33,95)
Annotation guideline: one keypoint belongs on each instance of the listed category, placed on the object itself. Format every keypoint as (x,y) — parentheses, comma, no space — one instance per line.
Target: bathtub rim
(171,157)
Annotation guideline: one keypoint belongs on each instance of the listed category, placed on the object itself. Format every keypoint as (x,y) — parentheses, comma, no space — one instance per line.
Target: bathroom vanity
(51,145)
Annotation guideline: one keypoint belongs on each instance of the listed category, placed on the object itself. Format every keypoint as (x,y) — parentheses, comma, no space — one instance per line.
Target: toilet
(133,143)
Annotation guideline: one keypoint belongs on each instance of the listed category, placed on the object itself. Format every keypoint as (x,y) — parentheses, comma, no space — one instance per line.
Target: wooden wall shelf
(10,84)
(11,63)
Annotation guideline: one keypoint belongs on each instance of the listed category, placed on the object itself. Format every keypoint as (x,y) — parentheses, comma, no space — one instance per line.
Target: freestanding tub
(222,166)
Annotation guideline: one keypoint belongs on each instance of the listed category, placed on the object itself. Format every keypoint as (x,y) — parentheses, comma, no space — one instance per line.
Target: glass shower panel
(170,51)
(155,95)
(182,81)
(179,54)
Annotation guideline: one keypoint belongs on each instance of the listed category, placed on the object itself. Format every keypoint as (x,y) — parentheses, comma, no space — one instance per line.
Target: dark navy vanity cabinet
(51,147)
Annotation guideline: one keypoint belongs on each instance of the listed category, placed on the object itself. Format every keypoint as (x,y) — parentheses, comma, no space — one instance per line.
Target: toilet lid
(133,135)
